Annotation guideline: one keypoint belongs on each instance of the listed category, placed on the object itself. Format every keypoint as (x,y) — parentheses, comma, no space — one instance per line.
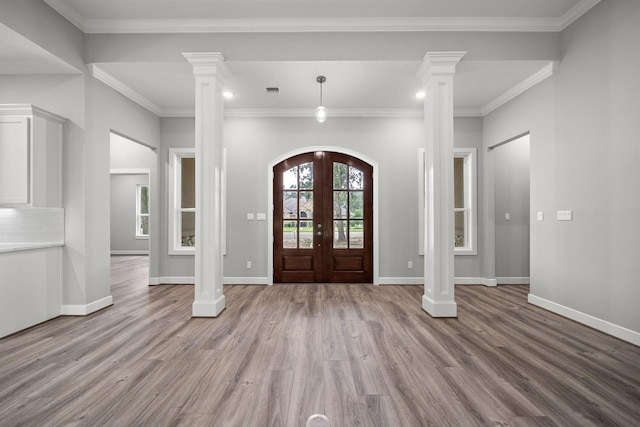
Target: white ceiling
(167,88)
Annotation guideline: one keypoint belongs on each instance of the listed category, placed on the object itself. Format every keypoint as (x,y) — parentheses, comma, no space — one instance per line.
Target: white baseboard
(457,281)
(439,308)
(129,252)
(513,280)
(401,280)
(601,325)
(83,310)
(245,280)
(469,280)
(188,280)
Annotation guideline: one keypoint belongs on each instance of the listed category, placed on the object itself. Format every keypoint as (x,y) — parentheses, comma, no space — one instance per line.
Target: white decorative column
(208,69)
(437,73)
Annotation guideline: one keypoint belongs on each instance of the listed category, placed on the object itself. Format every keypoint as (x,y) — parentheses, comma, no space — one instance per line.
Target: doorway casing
(341,150)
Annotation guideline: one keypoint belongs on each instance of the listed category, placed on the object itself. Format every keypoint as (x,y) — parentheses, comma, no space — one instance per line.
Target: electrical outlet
(507,216)
(249,264)
(540,216)
(410,265)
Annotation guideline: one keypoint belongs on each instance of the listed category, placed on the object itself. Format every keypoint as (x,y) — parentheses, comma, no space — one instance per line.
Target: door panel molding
(270,202)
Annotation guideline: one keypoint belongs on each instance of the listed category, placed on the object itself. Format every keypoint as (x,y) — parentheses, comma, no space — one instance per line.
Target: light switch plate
(249,217)
(507,216)
(262,217)
(564,215)
(540,216)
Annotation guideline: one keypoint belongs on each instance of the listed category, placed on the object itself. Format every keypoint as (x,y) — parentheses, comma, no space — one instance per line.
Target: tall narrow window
(142,211)
(464,201)
(182,211)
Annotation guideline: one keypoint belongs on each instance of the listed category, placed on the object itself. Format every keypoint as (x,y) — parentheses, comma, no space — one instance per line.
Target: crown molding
(303,112)
(71,15)
(100,74)
(307,25)
(314,25)
(576,12)
(520,88)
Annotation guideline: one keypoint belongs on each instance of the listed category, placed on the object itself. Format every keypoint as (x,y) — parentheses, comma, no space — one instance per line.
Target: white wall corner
(617,331)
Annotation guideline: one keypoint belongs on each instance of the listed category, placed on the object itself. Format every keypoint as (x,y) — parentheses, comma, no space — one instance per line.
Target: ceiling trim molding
(100,74)
(72,15)
(310,25)
(577,11)
(315,25)
(304,112)
(520,88)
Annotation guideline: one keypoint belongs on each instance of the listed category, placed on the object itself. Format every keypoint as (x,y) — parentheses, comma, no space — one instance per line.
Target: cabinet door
(14,160)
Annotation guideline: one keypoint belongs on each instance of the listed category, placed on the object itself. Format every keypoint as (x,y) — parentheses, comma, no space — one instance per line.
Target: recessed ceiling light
(227,94)
(420,94)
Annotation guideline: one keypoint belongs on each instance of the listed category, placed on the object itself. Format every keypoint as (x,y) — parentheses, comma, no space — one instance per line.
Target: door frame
(311,149)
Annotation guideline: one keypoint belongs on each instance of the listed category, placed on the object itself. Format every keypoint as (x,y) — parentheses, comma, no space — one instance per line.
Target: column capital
(439,64)
(207,63)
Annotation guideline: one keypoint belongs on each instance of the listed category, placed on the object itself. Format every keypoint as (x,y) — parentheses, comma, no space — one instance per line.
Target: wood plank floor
(362,355)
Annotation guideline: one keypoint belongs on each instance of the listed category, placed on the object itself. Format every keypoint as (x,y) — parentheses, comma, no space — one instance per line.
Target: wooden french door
(323,219)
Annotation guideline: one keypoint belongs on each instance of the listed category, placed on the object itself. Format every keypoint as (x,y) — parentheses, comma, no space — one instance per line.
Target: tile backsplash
(31,225)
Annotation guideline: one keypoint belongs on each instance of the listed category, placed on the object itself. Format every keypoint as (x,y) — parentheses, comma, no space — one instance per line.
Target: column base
(208,308)
(490,282)
(439,308)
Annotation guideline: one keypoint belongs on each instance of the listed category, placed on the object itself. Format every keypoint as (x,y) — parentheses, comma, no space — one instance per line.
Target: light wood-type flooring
(362,355)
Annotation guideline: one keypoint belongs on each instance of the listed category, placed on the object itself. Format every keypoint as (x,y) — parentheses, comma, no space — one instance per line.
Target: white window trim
(175,173)
(139,215)
(471,195)
(471,200)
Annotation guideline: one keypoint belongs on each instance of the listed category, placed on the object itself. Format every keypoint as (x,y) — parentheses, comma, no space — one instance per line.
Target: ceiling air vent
(273,90)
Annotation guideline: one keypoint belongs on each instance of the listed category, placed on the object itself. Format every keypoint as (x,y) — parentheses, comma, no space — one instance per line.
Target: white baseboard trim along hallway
(586,319)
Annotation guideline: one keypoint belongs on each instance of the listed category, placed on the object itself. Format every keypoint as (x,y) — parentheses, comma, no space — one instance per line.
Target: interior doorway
(512,206)
(323,219)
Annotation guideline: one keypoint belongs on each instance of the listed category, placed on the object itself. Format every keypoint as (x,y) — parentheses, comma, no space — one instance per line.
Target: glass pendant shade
(321,114)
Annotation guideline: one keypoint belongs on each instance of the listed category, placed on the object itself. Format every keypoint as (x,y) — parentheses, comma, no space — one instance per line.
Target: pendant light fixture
(321,112)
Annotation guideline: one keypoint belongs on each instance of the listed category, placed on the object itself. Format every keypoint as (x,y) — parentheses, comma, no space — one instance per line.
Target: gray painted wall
(512,197)
(123,213)
(252,143)
(584,154)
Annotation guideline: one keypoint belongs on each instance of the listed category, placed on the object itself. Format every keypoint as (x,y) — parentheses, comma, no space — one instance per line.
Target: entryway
(323,219)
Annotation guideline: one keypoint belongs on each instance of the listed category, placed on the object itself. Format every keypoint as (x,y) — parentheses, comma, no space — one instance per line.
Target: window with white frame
(182,208)
(465,201)
(142,211)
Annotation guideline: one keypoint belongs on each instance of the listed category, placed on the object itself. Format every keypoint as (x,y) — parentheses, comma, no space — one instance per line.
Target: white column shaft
(437,72)
(209,298)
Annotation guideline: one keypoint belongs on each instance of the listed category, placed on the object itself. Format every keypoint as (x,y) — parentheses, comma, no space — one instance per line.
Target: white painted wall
(584,155)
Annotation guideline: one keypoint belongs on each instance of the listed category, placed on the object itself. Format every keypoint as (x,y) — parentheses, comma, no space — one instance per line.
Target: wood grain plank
(367,355)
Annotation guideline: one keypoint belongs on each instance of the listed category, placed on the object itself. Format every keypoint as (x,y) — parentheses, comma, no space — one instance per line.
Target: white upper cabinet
(30,157)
